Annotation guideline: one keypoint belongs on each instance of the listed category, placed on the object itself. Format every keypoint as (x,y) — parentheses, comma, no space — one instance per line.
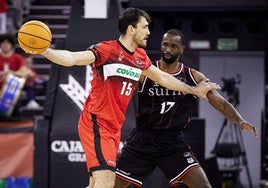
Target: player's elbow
(71,60)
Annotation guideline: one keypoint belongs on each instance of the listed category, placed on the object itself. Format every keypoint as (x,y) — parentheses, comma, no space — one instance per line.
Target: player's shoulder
(141,54)
(109,42)
(104,44)
(140,51)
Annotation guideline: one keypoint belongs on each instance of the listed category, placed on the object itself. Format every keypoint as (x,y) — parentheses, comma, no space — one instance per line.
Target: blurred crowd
(16,62)
(12,13)
(12,59)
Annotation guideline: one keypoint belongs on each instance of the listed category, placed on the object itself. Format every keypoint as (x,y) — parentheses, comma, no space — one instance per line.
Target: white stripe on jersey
(190,73)
(175,73)
(140,90)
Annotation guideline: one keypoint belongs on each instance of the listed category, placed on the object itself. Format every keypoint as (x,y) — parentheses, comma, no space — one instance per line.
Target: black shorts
(145,151)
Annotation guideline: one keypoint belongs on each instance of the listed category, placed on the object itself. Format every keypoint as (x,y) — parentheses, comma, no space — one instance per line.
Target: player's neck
(128,43)
(169,68)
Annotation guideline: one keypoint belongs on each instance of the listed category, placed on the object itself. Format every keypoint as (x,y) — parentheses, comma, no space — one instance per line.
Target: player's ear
(131,29)
(182,49)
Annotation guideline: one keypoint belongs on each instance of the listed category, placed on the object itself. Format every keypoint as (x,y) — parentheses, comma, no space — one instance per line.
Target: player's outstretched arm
(226,108)
(229,112)
(172,83)
(67,58)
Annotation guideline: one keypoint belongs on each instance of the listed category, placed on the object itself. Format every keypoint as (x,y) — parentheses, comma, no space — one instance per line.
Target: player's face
(171,48)
(141,33)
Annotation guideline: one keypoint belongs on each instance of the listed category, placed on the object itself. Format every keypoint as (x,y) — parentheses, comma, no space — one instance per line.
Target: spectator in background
(11,62)
(31,82)
(3,16)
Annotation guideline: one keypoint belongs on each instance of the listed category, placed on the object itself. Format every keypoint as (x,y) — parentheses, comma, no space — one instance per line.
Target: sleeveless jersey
(160,108)
(116,72)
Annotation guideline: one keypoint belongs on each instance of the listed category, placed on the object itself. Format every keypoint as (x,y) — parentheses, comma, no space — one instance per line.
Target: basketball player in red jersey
(157,140)
(117,66)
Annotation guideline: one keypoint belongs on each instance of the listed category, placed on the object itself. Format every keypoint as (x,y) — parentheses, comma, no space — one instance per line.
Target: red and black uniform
(116,72)
(158,139)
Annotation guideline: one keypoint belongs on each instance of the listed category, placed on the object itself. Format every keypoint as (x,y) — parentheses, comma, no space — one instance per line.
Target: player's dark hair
(176,32)
(9,37)
(131,16)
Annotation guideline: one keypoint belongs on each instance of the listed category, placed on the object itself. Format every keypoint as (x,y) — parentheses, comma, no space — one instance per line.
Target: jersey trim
(191,75)
(185,171)
(175,73)
(142,85)
(124,48)
(97,142)
(121,70)
(95,54)
(128,179)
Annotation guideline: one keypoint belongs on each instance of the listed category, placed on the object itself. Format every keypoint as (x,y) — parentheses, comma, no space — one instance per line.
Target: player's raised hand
(248,127)
(205,86)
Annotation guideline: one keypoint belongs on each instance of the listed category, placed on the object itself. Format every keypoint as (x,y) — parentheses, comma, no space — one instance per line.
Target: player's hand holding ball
(34,37)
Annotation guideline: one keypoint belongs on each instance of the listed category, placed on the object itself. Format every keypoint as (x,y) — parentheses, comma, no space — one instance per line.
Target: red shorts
(100,144)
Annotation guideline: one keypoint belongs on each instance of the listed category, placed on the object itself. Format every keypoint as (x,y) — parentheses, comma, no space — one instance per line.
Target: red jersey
(13,63)
(116,73)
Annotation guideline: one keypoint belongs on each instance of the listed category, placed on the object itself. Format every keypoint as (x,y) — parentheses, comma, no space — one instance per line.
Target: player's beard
(140,42)
(171,59)
(142,45)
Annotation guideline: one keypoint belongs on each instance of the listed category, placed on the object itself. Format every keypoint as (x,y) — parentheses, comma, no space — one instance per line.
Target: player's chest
(153,89)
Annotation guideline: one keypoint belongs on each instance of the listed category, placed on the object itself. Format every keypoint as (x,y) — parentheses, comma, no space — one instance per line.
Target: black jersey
(160,108)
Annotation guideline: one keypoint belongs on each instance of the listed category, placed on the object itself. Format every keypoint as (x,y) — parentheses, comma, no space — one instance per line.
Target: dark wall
(249,27)
(196,3)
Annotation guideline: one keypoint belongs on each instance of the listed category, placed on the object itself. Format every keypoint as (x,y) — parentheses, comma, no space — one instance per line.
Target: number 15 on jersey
(126,88)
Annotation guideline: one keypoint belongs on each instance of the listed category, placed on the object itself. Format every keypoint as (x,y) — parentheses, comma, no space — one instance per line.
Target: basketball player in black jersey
(157,139)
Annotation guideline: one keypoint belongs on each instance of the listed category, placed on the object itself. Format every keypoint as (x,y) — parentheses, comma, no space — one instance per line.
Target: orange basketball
(34,37)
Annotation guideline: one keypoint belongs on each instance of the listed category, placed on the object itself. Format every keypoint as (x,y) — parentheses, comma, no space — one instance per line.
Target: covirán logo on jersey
(128,72)
(121,70)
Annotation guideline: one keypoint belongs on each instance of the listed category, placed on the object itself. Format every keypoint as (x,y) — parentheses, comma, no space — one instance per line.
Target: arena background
(58,158)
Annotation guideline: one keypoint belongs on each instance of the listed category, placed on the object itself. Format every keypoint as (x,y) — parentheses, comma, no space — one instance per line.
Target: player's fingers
(205,97)
(255,132)
(248,127)
(213,85)
(29,51)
